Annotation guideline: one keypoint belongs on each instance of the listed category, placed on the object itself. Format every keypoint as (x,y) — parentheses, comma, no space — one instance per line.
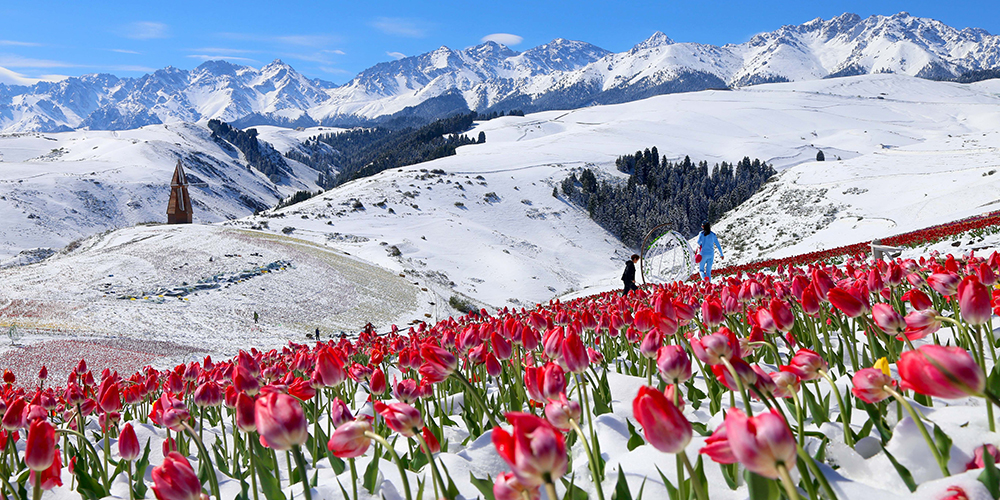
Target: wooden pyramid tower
(179,207)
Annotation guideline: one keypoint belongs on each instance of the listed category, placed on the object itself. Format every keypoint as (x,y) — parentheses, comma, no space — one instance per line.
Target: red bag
(697,256)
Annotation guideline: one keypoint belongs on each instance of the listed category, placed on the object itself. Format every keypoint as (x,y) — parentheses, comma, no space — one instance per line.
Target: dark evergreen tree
(658,191)
(820,156)
(482,137)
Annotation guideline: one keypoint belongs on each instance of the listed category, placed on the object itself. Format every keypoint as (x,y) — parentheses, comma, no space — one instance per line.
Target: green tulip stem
(300,461)
(591,460)
(213,480)
(476,396)
(844,417)
(395,458)
(923,429)
(436,475)
(786,481)
(699,489)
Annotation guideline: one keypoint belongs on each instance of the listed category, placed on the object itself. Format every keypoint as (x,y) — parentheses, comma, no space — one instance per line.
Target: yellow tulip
(882,364)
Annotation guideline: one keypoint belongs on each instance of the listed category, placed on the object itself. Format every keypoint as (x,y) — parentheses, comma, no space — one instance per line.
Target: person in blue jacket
(707,243)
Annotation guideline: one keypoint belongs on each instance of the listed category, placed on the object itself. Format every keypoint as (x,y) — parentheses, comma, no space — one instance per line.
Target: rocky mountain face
(561,74)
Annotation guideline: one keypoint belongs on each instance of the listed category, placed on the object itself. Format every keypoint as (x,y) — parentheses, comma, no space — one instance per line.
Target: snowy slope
(891,131)
(57,187)
(138,283)
(562,74)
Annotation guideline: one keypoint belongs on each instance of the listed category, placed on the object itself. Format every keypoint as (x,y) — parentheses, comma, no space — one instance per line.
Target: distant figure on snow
(628,277)
(255,317)
(707,243)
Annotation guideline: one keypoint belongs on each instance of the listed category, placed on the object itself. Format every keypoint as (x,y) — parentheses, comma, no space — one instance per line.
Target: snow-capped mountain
(562,74)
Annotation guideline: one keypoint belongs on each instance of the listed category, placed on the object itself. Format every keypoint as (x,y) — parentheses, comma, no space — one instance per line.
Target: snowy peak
(658,39)
(561,74)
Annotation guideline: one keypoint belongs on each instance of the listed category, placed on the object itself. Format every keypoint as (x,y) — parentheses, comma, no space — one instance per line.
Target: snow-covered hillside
(486,219)
(562,74)
(57,187)
(185,290)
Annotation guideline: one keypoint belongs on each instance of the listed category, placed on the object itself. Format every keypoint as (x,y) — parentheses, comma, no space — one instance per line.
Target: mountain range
(562,74)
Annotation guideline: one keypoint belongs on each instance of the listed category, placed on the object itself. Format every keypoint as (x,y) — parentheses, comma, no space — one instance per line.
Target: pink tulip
(744,371)
(663,424)
(711,312)
(944,283)
(785,384)
(400,417)
(920,324)
(887,319)
(717,447)
(508,487)
(330,368)
(534,449)
(806,364)
(174,479)
(712,349)
(560,411)
(870,385)
(761,443)
(673,363)
(944,372)
(651,344)
(208,394)
(377,384)
(349,439)
(280,421)
(128,444)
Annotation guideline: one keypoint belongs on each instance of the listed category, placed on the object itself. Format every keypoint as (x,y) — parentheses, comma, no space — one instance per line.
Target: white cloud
(300,40)
(15,61)
(335,51)
(334,71)
(123,51)
(400,27)
(395,55)
(146,30)
(503,38)
(10,77)
(19,44)
(215,57)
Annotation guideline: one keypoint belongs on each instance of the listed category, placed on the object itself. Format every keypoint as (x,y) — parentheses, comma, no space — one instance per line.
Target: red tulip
(280,421)
(438,363)
(574,353)
(41,446)
(330,368)
(244,381)
(208,394)
(13,418)
(349,439)
(431,440)
(128,444)
(743,370)
(50,477)
(400,417)
(918,299)
(377,383)
(174,479)
(651,344)
(245,420)
(493,367)
(663,424)
(711,312)
(806,364)
(846,302)
(644,320)
(974,301)
(717,447)
(673,364)
(870,384)
(534,449)
(810,302)
(781,314)
(944,372)
(761,443)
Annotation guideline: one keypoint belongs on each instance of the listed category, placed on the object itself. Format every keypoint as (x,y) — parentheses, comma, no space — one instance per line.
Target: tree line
(258,154)
(660,191)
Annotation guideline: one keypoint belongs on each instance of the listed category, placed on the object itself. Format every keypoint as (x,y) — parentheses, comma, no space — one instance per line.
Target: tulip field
(866,378)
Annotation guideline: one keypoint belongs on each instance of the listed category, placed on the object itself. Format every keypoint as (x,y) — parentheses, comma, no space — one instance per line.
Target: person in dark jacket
(628,277)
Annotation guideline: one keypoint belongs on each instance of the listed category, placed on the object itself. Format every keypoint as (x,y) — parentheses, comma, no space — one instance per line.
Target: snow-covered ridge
(562,74)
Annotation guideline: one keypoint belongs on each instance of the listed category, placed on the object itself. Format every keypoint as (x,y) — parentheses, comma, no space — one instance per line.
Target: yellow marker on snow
(882,364)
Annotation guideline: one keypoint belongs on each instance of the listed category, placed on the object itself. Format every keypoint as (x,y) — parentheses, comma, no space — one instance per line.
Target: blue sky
(334,40)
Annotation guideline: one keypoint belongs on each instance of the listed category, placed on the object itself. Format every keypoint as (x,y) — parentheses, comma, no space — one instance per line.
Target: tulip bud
(174,479)
(41,446)
(663,424)
(128,444)
(870,385)
(400,417)
(560,411)
(349,439)
(944,372)
(761,443)
(806,364)
(534,450)
(673,364)
(280,421)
